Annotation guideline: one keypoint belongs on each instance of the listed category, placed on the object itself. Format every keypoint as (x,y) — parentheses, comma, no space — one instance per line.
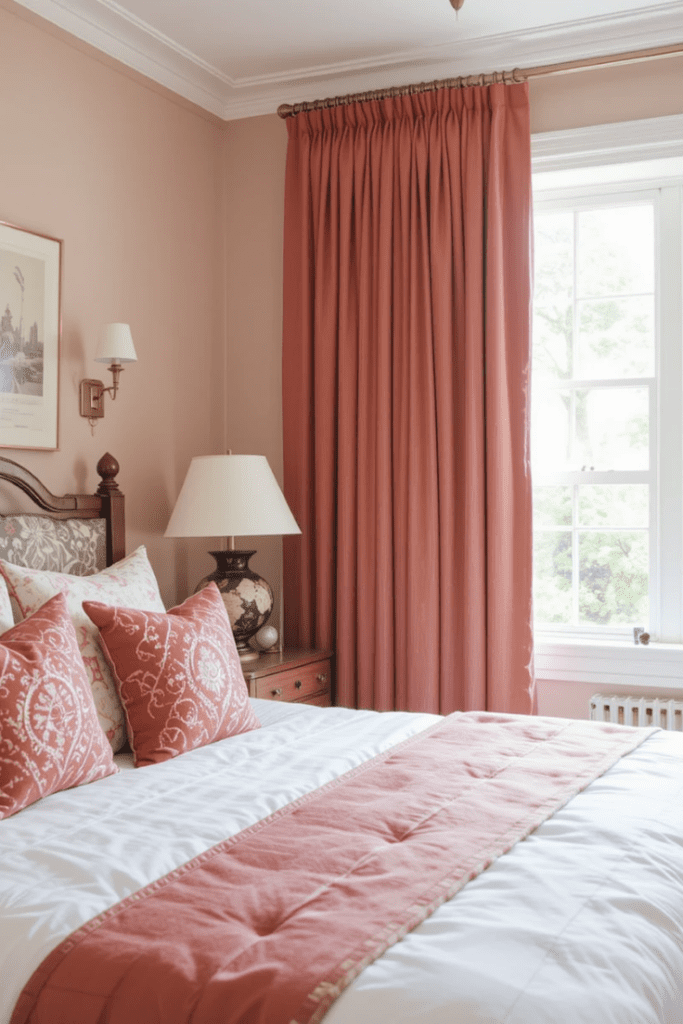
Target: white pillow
(6,616)
(130,583)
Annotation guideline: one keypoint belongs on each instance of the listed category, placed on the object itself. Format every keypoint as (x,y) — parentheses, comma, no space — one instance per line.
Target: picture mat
(29,419)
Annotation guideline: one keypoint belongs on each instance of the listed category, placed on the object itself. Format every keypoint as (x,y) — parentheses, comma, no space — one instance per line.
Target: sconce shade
(230,496)
(116,345)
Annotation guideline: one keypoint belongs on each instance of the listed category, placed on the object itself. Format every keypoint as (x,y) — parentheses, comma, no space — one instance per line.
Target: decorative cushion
(76,546)
(50,738)
(178,674)
(130,582)
(6,615)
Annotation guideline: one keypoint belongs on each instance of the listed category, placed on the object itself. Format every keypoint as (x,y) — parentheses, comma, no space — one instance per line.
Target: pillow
(178,674)
(6,614)
(130,582)
(50,738)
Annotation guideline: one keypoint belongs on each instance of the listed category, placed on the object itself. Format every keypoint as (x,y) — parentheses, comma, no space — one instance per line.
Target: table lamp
(234,496)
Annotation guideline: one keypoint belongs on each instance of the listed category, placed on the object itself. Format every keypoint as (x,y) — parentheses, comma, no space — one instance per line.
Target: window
(607,398)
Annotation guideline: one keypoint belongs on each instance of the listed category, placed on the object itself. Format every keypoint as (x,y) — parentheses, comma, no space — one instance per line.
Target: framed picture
(30,327)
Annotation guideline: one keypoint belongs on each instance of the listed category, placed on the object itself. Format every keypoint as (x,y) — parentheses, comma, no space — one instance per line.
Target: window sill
(604,663)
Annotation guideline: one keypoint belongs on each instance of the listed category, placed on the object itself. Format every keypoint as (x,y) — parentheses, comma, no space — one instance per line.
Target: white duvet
(581,923)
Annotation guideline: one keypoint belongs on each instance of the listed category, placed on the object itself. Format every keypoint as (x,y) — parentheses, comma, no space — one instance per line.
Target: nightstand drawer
(296,684)
(321,700)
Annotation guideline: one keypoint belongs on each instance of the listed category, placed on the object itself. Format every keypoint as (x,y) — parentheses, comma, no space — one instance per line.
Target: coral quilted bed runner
(269,926)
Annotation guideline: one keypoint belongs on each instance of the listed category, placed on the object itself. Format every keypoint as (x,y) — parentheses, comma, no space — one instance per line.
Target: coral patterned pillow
(130,582)
(50,738)
(178,674)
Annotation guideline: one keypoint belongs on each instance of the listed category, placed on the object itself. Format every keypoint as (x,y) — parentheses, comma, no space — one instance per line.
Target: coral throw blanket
(269,926)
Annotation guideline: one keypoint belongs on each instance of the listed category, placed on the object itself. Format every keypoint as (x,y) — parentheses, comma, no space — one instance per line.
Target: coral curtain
(407,295)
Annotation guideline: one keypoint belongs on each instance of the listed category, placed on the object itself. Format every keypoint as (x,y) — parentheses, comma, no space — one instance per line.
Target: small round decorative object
(266,638)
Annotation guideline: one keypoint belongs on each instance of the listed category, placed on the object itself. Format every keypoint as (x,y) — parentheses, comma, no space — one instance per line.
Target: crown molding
(106,26)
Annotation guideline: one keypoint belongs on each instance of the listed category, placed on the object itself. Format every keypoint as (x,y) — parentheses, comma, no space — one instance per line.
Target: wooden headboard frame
(108,503)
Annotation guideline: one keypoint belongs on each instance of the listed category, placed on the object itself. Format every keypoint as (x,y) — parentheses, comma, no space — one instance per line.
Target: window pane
(616,337)
(550,418)
(616,251)
(613,578)
(553,576)
(611,429)
(613,504)
(553,506)
(594,323)
(552,333)
(553,295)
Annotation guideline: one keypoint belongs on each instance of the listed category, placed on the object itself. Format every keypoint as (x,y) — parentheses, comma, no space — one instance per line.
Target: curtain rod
(507,77)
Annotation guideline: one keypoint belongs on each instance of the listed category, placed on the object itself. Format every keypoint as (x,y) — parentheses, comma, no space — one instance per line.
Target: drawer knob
(322,677)
(277,692)
(298,684)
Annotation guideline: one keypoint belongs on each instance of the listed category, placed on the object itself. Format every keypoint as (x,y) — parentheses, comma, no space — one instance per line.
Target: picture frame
(30,337)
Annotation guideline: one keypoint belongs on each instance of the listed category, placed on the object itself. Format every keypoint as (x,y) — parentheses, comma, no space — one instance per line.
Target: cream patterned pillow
(6,616)
(130,582)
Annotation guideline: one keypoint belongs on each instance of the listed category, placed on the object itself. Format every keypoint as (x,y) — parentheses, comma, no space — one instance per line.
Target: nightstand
(293,675)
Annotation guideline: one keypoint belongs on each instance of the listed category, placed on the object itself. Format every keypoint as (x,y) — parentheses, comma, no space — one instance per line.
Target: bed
(581,921)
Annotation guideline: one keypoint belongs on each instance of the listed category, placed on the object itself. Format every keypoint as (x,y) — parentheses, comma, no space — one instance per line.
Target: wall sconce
(116,347)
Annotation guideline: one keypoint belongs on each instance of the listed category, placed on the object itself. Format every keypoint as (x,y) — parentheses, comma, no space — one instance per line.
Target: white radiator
(667,714)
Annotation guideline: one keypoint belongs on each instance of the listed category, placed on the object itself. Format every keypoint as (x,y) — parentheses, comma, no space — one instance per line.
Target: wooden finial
(107,468)
(457,4)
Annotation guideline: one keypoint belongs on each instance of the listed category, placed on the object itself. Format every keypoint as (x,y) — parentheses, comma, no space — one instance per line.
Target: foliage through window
(594,412)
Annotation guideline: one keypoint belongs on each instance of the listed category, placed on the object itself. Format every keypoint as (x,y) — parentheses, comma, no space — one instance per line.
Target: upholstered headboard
(74,533)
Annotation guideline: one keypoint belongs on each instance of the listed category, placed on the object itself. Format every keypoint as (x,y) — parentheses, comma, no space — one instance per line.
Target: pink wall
(131,180)
(627,92)
(254,182)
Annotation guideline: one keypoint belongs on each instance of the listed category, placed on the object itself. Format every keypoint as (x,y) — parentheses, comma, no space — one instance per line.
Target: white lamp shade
(116,345)
(230,496)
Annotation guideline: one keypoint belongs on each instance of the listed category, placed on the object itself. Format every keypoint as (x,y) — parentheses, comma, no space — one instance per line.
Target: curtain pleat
(407,291)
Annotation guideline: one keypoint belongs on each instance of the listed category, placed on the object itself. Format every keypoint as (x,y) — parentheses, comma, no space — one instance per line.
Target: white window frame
(632,158)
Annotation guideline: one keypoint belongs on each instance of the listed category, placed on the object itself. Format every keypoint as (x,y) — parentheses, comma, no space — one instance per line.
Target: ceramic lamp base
(247,597)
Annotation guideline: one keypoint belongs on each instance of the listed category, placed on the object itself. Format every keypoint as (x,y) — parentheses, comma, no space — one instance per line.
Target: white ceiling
(237,58)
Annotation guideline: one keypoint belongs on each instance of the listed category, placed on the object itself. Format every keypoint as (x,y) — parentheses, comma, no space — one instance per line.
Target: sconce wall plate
(92,399)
